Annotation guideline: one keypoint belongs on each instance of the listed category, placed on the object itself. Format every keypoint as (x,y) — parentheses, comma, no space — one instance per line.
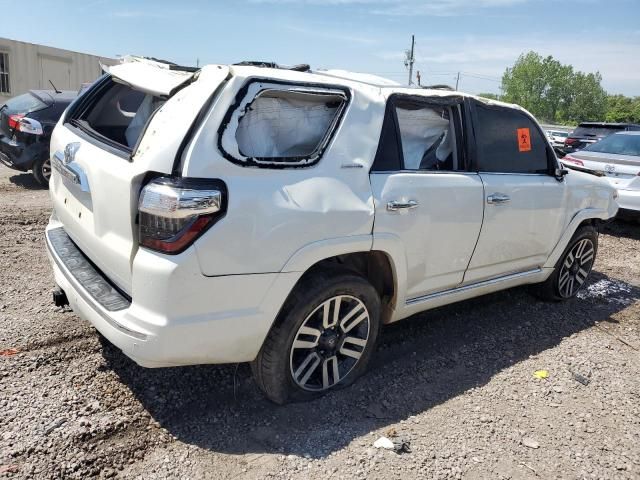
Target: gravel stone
(457,382)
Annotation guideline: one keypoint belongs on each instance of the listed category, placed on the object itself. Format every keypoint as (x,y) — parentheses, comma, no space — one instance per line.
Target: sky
(479,38)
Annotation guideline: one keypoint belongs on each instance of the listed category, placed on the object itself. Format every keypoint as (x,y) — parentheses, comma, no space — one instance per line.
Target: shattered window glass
(427,137)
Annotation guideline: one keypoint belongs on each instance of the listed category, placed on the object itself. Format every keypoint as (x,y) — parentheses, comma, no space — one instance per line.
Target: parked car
(250,214)
(617,157)
(557,137)
(26,123)
(591,132)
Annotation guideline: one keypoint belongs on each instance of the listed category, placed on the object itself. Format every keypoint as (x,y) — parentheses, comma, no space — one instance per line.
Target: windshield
(619,144)
(24,104)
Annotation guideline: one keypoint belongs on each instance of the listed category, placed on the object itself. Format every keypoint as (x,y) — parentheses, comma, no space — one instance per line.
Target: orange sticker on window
(524,140)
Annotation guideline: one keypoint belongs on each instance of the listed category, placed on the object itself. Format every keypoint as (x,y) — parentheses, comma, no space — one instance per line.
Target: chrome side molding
(472,286)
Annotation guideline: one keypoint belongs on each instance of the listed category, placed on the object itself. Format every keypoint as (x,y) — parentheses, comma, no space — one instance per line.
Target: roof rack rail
(439,86)
(303,67)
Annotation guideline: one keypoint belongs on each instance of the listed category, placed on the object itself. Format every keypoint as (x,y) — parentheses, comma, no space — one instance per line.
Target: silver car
(618,158)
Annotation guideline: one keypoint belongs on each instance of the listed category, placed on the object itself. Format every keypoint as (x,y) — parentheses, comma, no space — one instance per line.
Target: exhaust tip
(60,298)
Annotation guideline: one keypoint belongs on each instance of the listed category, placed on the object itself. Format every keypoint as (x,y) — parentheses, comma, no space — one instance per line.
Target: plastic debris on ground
(398,445)
(541,374)
(9,352)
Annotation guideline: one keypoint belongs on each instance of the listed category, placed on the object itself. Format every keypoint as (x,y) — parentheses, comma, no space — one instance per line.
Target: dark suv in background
(26,123)
(587,133)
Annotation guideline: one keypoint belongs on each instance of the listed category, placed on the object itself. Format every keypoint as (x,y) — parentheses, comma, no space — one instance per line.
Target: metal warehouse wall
(32,66)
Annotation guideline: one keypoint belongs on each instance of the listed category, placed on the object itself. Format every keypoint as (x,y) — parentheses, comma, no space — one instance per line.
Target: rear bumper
(177,316)
(19,156)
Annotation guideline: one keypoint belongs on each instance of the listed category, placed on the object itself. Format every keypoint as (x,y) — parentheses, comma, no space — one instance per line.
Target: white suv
(252,213)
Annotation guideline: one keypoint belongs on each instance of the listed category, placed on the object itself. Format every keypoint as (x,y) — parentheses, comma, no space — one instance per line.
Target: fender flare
(307,256)
(582,215)
(386,243)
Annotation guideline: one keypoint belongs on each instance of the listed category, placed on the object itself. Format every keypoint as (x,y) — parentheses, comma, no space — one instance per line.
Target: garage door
(56,71)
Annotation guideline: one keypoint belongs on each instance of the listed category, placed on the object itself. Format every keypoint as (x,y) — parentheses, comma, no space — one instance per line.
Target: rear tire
(573,267)
(42,171)
(322,339)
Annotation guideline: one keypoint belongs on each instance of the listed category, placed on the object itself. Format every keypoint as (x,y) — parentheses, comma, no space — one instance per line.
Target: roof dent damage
(156,78)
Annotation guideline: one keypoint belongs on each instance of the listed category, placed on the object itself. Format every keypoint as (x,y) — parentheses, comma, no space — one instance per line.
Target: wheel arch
(587,216)
(353,255)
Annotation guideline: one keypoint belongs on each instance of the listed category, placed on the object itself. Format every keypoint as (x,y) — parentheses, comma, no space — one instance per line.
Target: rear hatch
(586,134)
(130,125)
(20,106)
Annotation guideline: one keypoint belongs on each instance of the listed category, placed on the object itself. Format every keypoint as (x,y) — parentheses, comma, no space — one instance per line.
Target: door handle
(394,205)
(498,199)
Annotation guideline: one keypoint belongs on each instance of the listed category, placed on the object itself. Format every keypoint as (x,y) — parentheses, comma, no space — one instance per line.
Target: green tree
(587,99)
(552,91)
(623,109)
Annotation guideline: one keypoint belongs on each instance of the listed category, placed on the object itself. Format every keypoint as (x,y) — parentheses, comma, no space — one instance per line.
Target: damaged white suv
(252,213)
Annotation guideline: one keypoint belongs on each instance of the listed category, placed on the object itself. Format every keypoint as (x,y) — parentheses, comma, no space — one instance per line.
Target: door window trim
(460,125)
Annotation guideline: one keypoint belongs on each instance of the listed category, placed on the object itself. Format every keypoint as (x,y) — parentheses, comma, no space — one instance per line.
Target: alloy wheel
(46,169)
(329,343)
(576,267)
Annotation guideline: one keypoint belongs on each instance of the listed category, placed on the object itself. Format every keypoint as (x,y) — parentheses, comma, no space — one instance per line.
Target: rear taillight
(174,212)
(569,158)
(25,124)
(29,125)
(14,121)
(570,141)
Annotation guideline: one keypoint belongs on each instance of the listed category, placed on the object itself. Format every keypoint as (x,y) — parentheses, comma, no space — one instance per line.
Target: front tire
(573,267)
(322,340)
(42,171)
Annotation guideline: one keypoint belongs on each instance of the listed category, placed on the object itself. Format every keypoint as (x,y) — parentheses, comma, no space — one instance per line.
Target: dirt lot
(457,382)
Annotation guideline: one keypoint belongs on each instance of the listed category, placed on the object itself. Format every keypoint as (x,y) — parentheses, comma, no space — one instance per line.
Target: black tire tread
(547,289)
(267,368)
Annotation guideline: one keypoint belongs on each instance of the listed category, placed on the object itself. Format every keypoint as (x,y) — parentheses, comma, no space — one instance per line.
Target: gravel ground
(457,382)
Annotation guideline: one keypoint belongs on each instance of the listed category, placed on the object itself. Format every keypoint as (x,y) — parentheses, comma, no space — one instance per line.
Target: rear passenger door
(524,204)
(428,204)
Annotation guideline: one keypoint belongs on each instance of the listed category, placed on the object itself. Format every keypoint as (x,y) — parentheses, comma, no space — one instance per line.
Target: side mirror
(560,173)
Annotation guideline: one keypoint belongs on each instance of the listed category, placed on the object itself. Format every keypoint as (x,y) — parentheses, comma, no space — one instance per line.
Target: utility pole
(418,77)
(410,59)
(457,81)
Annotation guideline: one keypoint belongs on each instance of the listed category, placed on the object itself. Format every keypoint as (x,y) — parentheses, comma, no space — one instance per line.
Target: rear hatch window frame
(88,100)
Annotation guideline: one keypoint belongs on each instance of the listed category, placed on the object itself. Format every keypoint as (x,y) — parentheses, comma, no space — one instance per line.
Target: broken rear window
(117,114)
(282,125)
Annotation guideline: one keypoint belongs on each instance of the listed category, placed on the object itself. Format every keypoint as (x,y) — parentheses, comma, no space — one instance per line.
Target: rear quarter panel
(275,213)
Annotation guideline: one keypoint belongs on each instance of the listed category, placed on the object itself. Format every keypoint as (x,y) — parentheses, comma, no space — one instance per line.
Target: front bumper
(176,316)
(629,199)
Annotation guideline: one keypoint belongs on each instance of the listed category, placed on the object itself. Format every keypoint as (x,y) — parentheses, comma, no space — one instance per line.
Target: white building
(26,66)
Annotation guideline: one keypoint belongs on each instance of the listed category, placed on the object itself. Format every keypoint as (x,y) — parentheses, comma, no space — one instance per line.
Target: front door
(426,200)
(524,202)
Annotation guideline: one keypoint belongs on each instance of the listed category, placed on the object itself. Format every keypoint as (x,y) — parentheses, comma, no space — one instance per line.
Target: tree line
(557,93)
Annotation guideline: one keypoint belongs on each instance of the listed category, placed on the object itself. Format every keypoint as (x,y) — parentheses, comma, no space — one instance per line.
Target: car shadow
(624,226)
(26,181)
(420,363)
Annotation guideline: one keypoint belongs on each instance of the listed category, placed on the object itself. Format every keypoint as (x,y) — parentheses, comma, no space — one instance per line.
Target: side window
(118,113)
(281,126)
(427,137)
(508,141)
(421,135)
